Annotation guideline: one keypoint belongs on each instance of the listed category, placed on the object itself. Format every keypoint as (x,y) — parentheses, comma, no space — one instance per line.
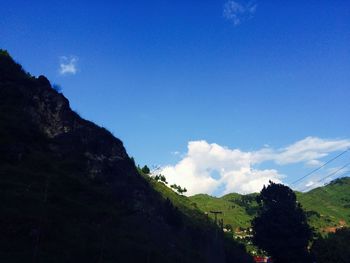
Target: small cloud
(237,13)
(314,163)
(68,65)
(311,185)
(175,153)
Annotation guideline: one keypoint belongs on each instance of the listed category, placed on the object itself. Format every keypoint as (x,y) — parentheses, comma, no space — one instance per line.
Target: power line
(309,201)
(331,174)
(335,172)
(318,168)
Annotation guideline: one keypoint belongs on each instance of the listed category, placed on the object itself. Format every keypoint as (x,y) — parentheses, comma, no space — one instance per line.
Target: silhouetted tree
(160,178)
(333,248)
(145,170)
(4,52)
(182,190)
(280,228)
(178,188)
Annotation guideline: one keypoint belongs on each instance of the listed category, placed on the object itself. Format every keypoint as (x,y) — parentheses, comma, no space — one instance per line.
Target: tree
(160,178)
(4,52)
(181,190)
(333,248)
(178,188)
(145,170)
(57,88)
(281,228)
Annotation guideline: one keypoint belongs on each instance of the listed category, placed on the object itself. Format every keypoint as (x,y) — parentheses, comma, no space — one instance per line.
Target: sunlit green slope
(326,207)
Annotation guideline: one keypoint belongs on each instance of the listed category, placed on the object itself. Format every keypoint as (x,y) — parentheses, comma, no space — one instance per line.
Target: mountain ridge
(71,193)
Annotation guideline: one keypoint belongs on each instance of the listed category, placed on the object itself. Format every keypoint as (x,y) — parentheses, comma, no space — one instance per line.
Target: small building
(260,259)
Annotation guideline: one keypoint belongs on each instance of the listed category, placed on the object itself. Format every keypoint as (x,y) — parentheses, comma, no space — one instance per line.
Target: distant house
(260,259)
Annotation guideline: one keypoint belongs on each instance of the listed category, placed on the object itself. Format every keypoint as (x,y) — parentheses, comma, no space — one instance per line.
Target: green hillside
(326,207)
(234,213)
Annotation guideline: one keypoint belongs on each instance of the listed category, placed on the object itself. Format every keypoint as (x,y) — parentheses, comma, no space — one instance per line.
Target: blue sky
(242,75)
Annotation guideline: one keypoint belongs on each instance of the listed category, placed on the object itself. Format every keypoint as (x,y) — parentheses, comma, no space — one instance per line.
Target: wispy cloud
(68,65)
(207,167)
(308,151)
(237,12)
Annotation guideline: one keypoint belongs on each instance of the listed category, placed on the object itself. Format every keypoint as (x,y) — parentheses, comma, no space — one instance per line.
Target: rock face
(50,112)
(103,152)
(70,192)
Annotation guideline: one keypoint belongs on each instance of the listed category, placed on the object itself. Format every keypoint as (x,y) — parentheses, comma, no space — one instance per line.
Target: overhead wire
(330,174)
(320,167)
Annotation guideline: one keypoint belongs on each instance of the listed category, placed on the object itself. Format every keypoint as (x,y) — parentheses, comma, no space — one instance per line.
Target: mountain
(238,210)
(327,207)
(70,193)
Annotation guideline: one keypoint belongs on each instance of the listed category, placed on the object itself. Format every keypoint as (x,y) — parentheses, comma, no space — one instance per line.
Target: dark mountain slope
(70,193)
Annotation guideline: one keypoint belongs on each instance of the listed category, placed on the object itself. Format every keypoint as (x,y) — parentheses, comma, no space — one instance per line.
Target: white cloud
(68,65)
(308,150)
(314,163)
(237,13)
(312,184)
(207,167)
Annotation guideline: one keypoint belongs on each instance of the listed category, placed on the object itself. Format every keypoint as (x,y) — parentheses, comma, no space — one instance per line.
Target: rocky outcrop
(69,134)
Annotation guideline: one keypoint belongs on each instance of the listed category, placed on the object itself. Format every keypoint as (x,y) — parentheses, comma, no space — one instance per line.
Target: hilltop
(71,193)
(327,207)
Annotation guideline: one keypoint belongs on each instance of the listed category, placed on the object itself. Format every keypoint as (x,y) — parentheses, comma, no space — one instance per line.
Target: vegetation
(233,213)
(160,178)
(333,248)
(178,188)
(198,220)
(145,170)
(280,227)
(327,208)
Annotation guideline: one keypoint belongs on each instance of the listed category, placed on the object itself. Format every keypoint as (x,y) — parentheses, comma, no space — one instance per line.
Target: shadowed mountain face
(70,192)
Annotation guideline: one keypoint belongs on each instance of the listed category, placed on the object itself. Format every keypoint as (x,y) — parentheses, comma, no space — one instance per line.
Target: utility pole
(216,215)
(221,223)
(216,221)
